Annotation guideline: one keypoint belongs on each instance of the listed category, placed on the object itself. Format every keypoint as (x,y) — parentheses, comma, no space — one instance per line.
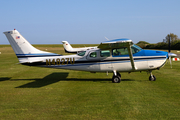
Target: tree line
(174,42)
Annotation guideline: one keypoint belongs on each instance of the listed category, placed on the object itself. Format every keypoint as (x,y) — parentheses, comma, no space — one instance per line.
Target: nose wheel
(116,77)
(152,77)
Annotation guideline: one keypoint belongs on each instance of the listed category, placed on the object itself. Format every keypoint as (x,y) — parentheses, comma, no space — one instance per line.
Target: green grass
(42,93)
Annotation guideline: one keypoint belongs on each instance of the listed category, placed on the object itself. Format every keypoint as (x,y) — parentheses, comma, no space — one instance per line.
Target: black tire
(116,79)
(118,74)
(152,78)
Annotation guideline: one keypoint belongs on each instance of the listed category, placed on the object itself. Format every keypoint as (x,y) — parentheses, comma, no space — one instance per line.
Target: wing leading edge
(117,43)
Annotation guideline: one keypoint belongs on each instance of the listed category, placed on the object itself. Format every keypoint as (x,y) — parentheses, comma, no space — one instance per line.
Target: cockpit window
(135,49)
(124,51)
(81,53)
(120,51)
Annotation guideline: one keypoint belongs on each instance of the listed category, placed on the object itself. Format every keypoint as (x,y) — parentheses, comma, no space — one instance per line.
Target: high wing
(119,43)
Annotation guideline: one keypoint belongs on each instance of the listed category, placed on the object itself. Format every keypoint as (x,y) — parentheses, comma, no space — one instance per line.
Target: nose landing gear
(152,77)
(116,77)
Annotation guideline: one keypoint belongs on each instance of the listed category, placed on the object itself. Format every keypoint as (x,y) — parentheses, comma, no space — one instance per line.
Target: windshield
(81,53)
(135,49)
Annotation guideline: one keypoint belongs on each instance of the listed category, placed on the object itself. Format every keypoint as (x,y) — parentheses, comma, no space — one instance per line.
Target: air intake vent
(158,52)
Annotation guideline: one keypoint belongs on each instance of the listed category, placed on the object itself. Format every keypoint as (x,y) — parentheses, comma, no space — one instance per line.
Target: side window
(105,53)
(81,53)
(120,51)
(93,54)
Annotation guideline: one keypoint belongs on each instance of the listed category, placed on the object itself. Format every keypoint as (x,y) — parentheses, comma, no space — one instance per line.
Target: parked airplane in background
(69,49)
(119,55)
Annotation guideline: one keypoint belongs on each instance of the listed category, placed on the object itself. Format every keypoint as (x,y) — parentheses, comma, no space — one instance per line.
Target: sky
(89,21)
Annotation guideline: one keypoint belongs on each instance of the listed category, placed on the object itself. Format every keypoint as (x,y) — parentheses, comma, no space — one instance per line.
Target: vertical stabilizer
(23,49)
(67,46)
(19,44)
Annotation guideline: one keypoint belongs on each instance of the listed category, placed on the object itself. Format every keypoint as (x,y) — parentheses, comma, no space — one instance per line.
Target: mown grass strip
(42,93)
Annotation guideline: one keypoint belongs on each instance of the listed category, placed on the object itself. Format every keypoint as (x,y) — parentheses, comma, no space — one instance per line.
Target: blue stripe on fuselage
(147,53)
(37,55)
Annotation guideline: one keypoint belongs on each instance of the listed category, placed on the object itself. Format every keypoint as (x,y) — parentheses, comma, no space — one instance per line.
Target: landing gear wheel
(118,74)
(116,79)
(152,78)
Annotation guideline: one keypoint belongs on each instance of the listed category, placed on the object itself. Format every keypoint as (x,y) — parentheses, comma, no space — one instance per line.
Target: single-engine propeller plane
(69,49)
(119,55)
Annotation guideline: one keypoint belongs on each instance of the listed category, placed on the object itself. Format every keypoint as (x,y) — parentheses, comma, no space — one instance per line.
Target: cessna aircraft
(119,55)
(69,49)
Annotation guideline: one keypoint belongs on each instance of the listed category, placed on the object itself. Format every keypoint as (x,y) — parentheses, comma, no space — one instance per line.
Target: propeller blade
(170,54)
(170,61)
(169,44)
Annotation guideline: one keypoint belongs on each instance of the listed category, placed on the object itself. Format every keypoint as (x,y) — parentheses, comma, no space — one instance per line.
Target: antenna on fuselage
(106,38)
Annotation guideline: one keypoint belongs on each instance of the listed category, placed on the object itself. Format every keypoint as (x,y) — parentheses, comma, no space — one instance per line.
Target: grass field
(42,93)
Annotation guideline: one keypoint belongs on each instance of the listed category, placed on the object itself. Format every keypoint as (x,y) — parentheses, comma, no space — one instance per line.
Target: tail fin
(22,47)
(69,49)
(67,46)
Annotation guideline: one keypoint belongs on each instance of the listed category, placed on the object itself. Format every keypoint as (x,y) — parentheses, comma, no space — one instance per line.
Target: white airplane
(69,49)
(119,55)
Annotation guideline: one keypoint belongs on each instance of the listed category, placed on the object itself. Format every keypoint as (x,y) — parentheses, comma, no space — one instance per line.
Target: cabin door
(105,64)
(93,61)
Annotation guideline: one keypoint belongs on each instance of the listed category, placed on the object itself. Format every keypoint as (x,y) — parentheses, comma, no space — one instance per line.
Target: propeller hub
(172,55)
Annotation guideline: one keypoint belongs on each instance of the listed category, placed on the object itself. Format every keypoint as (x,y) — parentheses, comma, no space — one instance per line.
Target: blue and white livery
(119,55)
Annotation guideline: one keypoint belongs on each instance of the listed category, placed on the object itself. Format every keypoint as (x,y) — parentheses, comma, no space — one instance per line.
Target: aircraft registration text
(58,61)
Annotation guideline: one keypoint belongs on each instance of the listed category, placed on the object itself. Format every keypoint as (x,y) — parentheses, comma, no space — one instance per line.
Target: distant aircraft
(119,55)
(69,49)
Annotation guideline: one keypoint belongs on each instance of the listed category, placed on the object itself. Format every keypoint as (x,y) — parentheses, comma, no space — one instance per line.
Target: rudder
(22,48)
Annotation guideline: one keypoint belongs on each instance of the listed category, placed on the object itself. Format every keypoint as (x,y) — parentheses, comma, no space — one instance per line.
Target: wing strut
(131,57)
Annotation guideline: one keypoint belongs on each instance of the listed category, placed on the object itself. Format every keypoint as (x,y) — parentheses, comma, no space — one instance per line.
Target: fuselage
(98,60)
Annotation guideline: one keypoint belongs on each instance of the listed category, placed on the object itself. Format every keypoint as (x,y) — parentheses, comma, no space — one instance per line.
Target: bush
(150,46)
(142,44)
(163,45)
(176,45)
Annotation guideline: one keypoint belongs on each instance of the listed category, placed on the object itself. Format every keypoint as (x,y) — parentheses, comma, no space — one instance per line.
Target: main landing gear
(116,77)
(152,77)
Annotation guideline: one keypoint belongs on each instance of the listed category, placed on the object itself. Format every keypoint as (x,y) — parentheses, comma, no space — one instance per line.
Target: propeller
(170,51)
(170,55)
(170,61)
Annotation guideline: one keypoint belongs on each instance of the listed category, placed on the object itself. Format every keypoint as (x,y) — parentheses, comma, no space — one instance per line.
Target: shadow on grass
(49,79)
(56,77)
(4,78)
